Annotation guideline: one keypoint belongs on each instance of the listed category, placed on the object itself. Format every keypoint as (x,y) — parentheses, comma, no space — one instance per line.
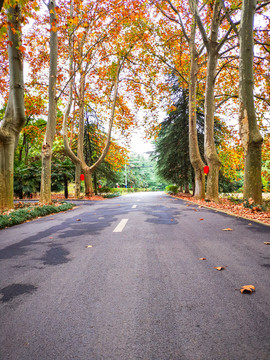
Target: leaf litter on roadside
(227,229)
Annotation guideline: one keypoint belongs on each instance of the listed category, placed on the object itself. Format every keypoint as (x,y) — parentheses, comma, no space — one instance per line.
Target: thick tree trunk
(194,152)
(7,148)
(89,191)
(249,131)
(14,118)
(46,151)
(210,152)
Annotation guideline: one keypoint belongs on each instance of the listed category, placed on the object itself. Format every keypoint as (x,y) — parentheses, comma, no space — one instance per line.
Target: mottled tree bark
(14,118)
(212,46)
(46,151)
(210,152)
(194,152)
(249,131)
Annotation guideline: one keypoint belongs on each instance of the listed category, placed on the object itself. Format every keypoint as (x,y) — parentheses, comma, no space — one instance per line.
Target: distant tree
(140,173)
(172,145)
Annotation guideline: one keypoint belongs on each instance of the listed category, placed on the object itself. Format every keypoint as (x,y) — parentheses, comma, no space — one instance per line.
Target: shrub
(31,212)
(172,189)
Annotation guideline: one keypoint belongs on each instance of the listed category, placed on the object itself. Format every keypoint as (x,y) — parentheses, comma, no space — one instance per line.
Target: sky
(140,145)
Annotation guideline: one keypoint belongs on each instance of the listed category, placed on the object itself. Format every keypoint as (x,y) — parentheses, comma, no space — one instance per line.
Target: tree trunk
(95,183)
(89,192)
(66,186)
(194,152)
(46,151)
(249,131)
(77,181)
(14,118)
(210,152)
(186,188)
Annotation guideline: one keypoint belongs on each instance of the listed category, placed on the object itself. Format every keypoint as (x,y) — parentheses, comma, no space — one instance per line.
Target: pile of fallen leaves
(94,197)
(232,208)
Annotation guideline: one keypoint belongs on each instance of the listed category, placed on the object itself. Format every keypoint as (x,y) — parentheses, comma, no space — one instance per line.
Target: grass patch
(24,212)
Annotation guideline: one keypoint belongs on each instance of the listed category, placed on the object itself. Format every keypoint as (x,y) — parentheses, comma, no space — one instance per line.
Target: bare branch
(233,25)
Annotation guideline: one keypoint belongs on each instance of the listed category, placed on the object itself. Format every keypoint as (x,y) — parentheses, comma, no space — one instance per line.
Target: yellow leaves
(267,243)
(227,229)
(89,246)
(247,289)
(219,268)
(202,258)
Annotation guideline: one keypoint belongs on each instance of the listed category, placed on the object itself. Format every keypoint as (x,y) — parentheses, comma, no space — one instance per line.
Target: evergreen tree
(172,145)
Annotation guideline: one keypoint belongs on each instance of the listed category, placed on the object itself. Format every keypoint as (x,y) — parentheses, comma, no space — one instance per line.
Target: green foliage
(110,196)
(23,214)
(172,145)
(172,189)
(141,172)
(104,189)
(26,178)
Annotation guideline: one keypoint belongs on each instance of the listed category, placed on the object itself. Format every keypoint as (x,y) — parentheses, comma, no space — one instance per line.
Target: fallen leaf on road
(267,242)
(171,219)
(202,258)
(227,229)
(78,219)
(89,246)
(249,224)
(219,268)
(201,219)
(50,237)
(200,206)
(247,289)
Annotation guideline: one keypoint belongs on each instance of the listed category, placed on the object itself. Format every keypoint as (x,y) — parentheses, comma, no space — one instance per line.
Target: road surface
(121,279)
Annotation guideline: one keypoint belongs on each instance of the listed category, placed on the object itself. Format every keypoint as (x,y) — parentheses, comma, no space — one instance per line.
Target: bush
(109,196)
(31,212)
(172,189)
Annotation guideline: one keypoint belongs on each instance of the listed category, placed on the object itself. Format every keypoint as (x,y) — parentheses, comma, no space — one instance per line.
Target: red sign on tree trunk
(206,170)
(82,177)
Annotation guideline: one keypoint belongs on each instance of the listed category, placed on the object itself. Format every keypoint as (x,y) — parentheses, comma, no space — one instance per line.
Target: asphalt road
(140,291)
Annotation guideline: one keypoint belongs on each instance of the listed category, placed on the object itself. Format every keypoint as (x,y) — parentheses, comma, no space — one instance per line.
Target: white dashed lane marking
(121,225)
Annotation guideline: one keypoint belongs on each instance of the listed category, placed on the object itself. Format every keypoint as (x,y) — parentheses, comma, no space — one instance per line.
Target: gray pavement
(140,291)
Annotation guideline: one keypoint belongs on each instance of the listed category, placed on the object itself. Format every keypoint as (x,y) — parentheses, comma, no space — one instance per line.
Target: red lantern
(206,170)
(82,177)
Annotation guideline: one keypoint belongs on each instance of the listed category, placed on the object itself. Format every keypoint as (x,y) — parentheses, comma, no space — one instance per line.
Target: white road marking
(121,225)
(134,206)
